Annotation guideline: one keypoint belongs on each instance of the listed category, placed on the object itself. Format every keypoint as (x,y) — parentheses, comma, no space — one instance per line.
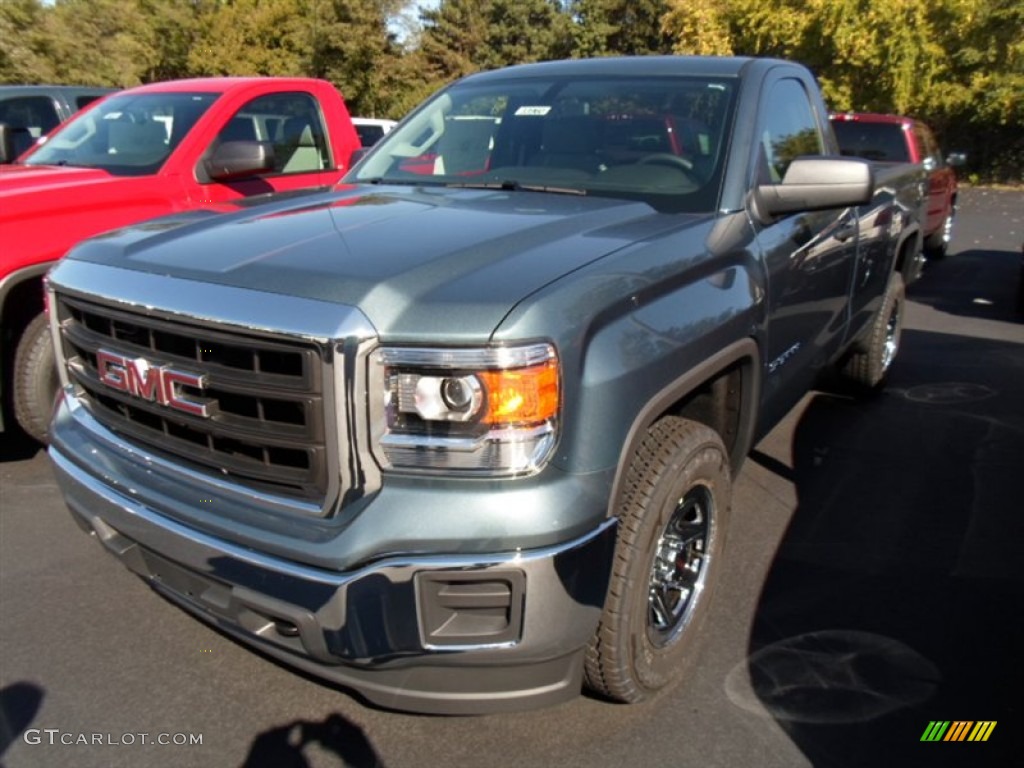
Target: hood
(44,210)
(32,195)
(17,180)
(419,262)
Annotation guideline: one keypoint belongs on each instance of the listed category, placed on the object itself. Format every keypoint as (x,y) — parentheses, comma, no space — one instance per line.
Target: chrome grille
(265,397)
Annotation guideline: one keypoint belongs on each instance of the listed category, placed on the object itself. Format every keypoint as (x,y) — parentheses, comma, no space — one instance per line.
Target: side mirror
(814,184)
(358,155)
(7,153)
(14,142)
(238,159)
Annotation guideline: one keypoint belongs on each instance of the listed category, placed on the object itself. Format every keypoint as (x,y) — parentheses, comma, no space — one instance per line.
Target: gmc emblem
(135,376)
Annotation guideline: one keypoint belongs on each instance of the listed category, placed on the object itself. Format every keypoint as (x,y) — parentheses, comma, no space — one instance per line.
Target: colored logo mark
(958,730)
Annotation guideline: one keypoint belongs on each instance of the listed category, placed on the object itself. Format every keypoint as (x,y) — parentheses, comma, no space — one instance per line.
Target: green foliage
(958,64)
(465,36)
(24,45)
(618,27)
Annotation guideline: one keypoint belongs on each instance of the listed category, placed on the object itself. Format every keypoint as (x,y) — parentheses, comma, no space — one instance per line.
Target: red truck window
(126,135)
(883,142)
(290,123)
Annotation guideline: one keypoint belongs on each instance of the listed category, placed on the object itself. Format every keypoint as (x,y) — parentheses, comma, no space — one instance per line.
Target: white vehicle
(371,129)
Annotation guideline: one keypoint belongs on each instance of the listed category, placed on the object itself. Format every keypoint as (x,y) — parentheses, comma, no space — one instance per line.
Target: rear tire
(35,379)
(937,243)
(673,518)
(869,366)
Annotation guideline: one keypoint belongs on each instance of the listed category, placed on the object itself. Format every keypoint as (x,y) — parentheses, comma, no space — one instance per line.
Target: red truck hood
(44,210)
(18,179)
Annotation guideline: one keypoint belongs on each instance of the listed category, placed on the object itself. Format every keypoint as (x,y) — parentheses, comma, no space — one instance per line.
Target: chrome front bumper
(454,634)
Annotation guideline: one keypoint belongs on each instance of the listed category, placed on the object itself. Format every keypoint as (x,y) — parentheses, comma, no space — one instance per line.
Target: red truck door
(291,123)
(941,179)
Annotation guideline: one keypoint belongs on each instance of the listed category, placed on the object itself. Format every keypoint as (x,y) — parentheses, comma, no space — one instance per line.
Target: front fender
(638,329)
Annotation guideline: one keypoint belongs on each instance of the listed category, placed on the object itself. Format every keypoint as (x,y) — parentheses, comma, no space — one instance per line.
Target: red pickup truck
(898,139)
(137,154)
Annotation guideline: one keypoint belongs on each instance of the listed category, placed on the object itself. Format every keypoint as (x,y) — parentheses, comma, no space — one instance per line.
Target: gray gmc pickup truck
(459,434)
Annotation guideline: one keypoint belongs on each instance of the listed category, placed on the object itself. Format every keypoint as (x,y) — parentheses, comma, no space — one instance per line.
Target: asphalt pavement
(874,585)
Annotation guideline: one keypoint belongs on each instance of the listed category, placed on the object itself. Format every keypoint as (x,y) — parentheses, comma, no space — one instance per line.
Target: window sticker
(532,111)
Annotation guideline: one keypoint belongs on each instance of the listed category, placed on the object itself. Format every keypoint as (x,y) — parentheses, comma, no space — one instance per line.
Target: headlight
(488,412)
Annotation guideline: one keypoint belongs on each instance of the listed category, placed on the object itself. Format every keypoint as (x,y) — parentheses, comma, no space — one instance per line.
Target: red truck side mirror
(239,159)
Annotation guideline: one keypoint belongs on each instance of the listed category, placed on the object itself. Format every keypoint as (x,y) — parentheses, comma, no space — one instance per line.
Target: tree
(454,34)
(957,64)
(464,36)
(24,54)
(619,27)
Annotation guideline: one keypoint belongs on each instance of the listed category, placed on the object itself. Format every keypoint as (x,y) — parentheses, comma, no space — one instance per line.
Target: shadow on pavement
(289,745)
(896,597)
(974,283)
(15,445)
(19,705)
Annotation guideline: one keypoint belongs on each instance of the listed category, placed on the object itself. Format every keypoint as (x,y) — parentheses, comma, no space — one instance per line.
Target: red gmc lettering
(174,396)
(135,376)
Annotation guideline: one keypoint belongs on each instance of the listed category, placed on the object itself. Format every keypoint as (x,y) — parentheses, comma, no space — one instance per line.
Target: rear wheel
(673,518)
(35,379)
(869,365)
(937,243)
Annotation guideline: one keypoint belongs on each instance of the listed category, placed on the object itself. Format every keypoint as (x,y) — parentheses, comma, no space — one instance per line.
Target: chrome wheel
(673,518)
(892,337)
(947,229)
(680,565)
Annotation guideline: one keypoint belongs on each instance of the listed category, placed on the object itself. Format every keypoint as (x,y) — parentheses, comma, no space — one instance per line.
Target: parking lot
(875,584)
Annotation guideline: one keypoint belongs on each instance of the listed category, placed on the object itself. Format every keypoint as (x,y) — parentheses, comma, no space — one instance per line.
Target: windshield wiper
(379,180)
(511,185)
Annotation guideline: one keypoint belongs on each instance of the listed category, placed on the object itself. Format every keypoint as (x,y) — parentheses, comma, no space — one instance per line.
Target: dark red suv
(896,139)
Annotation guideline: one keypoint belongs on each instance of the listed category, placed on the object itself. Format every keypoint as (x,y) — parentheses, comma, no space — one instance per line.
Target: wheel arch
(722,392)
(21,299)
(909,253)
(21,295)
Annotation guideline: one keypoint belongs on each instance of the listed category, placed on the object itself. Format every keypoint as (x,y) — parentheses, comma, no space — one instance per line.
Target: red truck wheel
(35,379)
(673,519)
(937,243)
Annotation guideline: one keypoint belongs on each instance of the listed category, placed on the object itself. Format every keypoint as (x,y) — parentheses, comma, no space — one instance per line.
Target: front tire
(35,379)
(673,518)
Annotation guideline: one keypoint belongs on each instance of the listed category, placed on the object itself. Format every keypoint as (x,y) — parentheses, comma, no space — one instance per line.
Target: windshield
(127,135)
(656,139)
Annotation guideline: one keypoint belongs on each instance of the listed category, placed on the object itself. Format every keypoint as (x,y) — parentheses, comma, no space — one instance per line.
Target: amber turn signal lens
(521,395)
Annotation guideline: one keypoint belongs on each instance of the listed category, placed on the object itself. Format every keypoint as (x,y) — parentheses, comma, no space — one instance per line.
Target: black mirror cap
(239,159)
(957,159)
(6,144)
(357,155)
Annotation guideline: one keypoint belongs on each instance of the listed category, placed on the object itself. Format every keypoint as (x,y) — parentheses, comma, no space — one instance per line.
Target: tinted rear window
(872,141)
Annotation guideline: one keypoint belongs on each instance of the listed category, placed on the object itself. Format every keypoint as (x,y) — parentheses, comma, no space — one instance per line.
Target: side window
(29,117)
(84,101)
(789,130)
(290,123)
(36,113)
